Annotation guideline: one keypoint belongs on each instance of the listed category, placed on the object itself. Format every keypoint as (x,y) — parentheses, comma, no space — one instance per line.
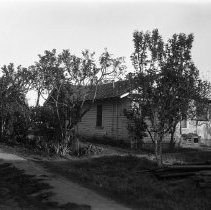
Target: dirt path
(64,190)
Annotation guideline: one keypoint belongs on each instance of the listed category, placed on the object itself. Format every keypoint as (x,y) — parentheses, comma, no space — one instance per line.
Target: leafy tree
(71,80)
(13,106)
(136,127)
(166,83)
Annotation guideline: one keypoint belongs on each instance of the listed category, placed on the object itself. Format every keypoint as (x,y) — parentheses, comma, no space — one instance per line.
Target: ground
(56,191)
(94,183)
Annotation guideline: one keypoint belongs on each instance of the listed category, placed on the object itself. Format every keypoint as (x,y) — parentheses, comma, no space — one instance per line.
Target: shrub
(136,127)
(44,133)
(106,141)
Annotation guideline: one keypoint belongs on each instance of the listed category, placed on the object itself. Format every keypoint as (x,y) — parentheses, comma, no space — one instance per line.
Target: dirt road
(64,191)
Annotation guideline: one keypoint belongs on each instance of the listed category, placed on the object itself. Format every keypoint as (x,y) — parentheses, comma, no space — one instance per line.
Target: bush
(87,150)
(136,127)
(106,141)
(43,133)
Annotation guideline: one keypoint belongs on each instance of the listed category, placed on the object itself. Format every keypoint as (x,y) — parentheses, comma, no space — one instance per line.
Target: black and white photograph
(105,104)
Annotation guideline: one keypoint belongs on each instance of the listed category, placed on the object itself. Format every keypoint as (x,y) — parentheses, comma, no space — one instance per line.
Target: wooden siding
(114,123)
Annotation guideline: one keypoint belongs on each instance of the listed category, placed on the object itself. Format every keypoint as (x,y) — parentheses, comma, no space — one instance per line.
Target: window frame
(99,115)
(184,123)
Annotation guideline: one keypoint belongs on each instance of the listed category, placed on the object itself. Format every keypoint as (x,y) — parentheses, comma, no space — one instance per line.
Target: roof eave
(124,95)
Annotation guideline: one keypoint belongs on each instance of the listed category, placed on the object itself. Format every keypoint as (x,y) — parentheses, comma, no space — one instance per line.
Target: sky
(28,27)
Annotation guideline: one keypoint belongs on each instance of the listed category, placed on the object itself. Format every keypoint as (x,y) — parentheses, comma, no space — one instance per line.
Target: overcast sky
(29,27)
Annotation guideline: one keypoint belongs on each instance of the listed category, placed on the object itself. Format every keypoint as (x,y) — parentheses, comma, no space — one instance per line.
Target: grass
(106,141)
(188,156)
(147,147)
(125,179)
(22,191)
(26,152)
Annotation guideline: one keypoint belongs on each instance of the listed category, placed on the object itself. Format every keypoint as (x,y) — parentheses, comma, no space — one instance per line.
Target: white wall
(203,129)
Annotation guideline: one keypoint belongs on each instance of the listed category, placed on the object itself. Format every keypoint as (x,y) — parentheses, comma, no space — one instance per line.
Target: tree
(136,127)
(13,106)
(166,83)
(70,80)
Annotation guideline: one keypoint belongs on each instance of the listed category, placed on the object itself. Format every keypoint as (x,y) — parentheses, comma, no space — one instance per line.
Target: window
(99,115)
(196,140)
(184,124)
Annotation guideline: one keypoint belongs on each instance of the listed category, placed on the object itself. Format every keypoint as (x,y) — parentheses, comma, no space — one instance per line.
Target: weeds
(127,180)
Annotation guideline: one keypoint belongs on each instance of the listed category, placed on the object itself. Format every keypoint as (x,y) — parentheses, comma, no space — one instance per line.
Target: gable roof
(109,90)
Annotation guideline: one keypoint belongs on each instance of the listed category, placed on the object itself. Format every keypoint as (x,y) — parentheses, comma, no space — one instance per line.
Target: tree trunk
(60,123)
(2,132)
(158,150)
(172,141)
(38,98)
(2,121)
(158,154)
(75,141)
(1,128)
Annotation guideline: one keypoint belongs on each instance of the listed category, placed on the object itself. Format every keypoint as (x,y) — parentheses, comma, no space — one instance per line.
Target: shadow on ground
(132,181)
(22,191)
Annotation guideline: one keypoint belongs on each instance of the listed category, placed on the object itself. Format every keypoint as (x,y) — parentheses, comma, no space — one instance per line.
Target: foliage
(88,150)
(70,80)
(45,130)
(136,126)
(106,141)
(14,112)
(166,83)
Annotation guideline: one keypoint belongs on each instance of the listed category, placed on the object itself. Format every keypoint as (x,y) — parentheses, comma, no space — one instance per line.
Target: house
(196,132)
(106,118)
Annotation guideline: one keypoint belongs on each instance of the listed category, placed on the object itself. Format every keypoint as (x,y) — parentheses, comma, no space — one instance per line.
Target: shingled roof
(110,90)
(105,91)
